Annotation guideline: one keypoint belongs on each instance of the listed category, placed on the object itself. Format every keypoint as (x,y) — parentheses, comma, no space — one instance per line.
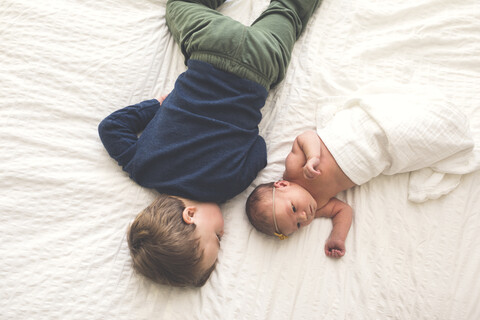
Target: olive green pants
(260,52)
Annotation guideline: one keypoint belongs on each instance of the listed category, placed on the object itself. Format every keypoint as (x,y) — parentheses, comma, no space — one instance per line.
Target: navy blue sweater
(201,144)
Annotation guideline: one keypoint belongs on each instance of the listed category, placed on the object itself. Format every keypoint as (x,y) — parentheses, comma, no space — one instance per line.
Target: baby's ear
(281,183)
(188,214)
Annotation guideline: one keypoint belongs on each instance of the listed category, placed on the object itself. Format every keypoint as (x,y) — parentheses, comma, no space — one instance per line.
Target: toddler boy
(201,147)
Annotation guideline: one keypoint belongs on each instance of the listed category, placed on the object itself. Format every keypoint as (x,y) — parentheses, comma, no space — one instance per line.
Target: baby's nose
(304,216)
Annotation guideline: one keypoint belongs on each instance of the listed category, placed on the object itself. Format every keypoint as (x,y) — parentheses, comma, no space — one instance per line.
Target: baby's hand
(334,248)
(310,170)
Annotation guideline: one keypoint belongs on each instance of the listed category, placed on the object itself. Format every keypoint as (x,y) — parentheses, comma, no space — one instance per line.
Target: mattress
(65,204)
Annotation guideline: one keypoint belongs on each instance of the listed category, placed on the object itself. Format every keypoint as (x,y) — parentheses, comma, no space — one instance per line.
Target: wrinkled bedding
(65,204)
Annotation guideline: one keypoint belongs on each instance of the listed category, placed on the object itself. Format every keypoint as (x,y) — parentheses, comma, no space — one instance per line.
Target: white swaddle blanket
(392,128)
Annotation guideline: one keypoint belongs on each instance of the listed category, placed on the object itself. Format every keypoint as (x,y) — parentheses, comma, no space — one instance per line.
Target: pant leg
(195,25)
(260,52)
(303,9)
(269,43)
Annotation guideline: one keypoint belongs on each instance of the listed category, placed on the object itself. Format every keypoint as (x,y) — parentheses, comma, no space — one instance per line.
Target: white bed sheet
(65,205)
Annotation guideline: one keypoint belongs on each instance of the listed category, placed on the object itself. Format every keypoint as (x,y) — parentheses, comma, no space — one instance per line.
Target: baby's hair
(258,212)
(163,247)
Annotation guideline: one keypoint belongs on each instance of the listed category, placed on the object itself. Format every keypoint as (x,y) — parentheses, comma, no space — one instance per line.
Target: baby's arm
(309,143)
(341,214)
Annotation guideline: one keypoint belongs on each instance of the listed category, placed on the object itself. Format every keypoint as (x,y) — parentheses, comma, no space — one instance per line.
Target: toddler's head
(167,249)
(280,208)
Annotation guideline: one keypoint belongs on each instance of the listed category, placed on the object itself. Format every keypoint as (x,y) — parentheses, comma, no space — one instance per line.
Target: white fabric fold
(393,128)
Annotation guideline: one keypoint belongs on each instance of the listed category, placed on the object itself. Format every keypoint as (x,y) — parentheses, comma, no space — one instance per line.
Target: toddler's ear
(188,214)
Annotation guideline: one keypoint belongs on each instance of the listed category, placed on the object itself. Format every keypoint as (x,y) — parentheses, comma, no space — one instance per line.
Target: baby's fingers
(334,251)
(309,172)
(310,168)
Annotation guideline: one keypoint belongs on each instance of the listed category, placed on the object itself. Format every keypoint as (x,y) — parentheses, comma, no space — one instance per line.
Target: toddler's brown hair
(163,247)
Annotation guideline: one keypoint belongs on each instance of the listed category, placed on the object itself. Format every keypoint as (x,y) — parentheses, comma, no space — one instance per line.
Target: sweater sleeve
(119,131)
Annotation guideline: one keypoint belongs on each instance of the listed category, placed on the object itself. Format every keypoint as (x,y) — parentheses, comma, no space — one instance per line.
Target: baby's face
(294,207)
